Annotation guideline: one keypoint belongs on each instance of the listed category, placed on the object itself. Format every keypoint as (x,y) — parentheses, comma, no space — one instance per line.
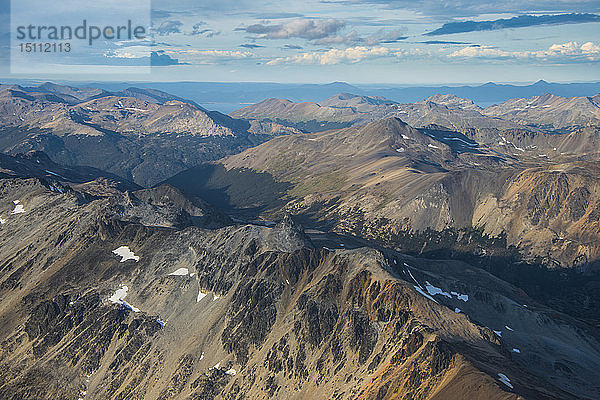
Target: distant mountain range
(548,112)
(226,97)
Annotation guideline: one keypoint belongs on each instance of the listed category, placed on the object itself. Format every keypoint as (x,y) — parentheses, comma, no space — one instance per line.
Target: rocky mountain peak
(288,235)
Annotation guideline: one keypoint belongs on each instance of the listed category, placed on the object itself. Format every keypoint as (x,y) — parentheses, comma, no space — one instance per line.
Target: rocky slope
(549,111)
(95,305)
(387,180)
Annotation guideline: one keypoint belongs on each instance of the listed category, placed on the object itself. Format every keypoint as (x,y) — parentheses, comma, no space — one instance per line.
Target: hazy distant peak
(452,101)
(348,100)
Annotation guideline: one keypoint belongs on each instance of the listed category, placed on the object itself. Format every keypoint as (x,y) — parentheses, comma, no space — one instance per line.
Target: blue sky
(374,41)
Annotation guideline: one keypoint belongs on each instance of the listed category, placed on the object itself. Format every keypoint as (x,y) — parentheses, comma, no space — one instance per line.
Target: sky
(373,41)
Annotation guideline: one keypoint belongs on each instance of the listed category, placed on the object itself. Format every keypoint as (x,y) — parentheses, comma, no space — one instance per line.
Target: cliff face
(97,305)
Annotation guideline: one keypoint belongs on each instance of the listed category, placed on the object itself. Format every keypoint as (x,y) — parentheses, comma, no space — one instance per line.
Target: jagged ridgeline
(153,294)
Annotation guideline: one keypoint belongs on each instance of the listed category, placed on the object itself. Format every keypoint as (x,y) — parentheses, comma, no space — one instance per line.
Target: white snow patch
(457,310)
(405,137)
(395,262)
(119,296)
(499,333)
(217,365)
(230,371)
(411,275)
(287,281)
(515,350)
(160,322)
(132,308)
(509,328)
(201,295)
(2,221)
(504,379)
(463,297)
(18,209)
(54,173)
(400,150)
(192,274)
(328,249)
(126,254)
(202,355)
(418,289)
(432,146)
(215,297)
(435,290)
(180,272)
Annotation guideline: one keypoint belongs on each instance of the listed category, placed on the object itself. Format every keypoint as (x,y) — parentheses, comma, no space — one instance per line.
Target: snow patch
(405,137)
(180,272)
(499,333)
(400,150)
(55,174)
(432,290)
(56,189)
(230,371)
(515,350)
(160,322)
(202,356)
(201,295)
(217,365)
(411,275)
(18,208)
(457,310)
(432,146)
(418,289)
(2,221)
(509,328)
(504,379)
(215,297)
(126,254)
(463,297)
(119,296)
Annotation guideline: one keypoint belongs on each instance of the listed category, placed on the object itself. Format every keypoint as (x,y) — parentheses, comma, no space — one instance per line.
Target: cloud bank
(566,52)
(516,22)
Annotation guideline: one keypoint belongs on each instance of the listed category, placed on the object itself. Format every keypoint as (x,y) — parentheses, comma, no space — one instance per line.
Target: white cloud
(129,52)
(217,53)
(349,55)
(310,29)
(334,56)
(571,51)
